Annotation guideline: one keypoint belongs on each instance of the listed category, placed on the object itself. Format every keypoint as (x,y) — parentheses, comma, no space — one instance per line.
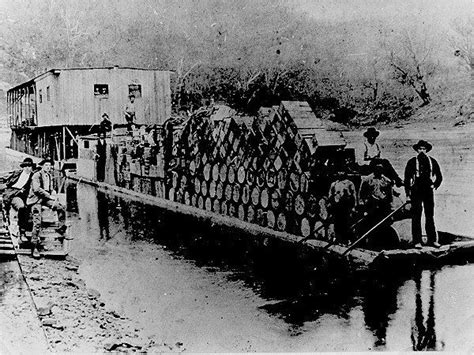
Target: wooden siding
(47,110)
(72,100)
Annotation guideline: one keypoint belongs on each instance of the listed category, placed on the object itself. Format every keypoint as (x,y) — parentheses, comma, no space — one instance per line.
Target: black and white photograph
(236,176)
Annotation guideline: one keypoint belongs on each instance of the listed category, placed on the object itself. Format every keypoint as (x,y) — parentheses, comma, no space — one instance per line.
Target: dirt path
(20,327)
(73,315)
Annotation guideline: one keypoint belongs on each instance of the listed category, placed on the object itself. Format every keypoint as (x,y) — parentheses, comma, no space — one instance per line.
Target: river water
(224,293)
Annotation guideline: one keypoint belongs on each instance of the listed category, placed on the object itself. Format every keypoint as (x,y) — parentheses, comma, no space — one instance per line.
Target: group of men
(28,189)
(129,113)
(375,195)
(104,127)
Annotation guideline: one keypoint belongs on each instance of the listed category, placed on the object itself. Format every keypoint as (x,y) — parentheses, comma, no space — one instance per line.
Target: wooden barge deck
(11,245)
(458,247)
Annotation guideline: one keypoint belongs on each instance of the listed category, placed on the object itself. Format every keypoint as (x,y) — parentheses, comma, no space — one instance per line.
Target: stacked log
(256,171)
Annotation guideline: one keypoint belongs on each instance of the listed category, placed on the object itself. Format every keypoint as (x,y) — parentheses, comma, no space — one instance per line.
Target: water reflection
(306,290)
(423,333)
(380,303)
(103,212)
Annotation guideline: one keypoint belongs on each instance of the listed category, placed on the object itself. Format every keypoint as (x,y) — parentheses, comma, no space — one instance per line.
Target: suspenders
(417,168)
(367,148)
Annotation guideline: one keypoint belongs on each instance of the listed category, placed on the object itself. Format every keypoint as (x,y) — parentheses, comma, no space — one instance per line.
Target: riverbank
(20,327)
(72,315)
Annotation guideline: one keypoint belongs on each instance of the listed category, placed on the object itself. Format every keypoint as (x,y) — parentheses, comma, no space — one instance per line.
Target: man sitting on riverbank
(41,194)
(17,186)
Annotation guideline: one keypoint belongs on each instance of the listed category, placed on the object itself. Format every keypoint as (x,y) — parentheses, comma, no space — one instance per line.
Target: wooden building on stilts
(47,113)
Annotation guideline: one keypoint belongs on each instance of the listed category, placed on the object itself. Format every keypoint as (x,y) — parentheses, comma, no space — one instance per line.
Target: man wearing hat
(372,155)
(40,194)
(101,156)
(372,148)
(129,112)
(422,177)
(105,125)
(16,191)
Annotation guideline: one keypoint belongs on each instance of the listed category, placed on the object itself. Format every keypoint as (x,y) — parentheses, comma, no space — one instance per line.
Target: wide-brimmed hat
(371,132)
(46,160)
(422,143)
(27,162)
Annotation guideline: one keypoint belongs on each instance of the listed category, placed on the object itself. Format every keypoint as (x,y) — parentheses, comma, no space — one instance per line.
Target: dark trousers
(100,169)
(378,210)
(15,198)
(423,200)
(19,205)
(342,212)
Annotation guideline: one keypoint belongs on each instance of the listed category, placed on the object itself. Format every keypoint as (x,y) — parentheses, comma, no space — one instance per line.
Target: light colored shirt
(47,182)
(129,109)
(22,180)
(372,151)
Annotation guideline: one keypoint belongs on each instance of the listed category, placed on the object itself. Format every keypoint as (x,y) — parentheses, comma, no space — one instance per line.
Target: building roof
(303,116)
(57,71)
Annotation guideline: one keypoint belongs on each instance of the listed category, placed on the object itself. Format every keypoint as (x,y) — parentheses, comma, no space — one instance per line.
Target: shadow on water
(299,285)
(423,331)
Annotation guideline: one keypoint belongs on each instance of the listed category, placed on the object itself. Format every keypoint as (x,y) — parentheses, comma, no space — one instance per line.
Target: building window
(101,91)
(86,144)
(40,96)
(48,97)
(135,90)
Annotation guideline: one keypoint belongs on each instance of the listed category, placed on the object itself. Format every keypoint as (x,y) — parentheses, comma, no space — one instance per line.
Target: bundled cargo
(256,169)
(139,161)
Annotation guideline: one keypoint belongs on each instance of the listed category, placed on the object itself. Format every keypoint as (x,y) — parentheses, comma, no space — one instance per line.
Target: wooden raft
(359,256)
(448,251)
(56,246)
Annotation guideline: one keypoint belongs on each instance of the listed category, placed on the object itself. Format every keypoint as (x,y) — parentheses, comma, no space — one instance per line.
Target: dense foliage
(248,53)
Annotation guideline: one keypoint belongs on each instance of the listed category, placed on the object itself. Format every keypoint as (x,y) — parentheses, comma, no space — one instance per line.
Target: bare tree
(463,41)
(412,64)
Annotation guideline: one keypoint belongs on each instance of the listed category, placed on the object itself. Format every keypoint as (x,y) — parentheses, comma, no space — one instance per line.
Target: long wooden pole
(72,136)
(353,245)
(64,142)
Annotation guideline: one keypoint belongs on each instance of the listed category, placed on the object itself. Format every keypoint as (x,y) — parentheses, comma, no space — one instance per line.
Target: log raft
(444,254)
(359,257)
